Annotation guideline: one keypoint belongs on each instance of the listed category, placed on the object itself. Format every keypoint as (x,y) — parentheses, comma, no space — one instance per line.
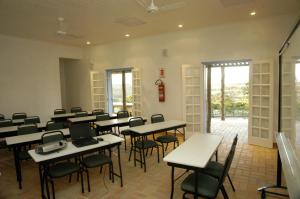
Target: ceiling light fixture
(180,25)
(127,35)
(88,43)
(253,13)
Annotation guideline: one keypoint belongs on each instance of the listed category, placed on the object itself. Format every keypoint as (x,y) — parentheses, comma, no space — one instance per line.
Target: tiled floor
(252,167)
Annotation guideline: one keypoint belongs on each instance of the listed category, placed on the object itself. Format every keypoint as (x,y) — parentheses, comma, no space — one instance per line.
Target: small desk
(148,129)
(193,154)
(109,141)
(12,130)
(85,119)
(17,141)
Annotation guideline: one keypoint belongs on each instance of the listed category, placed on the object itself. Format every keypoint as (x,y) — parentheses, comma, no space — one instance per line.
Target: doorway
(119,89)
(227,96)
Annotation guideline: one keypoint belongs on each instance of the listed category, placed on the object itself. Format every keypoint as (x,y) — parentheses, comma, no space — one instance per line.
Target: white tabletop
(153,127)
(15,128)
(82,119)
(71,149)
(196,151)
(63,115)
(113,122)
(19,139)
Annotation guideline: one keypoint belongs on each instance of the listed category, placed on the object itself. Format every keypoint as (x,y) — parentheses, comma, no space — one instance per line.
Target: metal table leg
(120,168)
(17,166)
(172,183)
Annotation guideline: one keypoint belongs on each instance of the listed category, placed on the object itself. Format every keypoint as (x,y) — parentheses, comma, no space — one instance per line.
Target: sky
(233,76)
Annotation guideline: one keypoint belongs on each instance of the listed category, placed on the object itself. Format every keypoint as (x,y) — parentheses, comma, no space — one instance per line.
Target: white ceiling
(100,21)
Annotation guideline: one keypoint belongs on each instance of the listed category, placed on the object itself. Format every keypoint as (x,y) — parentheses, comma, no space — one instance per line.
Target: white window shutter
(192,103)
(136,86)
(97,90)
(261,104)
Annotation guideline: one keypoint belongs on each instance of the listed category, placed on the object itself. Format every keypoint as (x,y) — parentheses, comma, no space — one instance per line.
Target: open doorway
(119,90)
(227,97)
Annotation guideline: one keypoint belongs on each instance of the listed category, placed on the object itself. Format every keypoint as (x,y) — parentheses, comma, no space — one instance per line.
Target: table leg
(120,168)
(172,183)
(144,157)
(217,155)
(183,133)
(17,166)
(41,180)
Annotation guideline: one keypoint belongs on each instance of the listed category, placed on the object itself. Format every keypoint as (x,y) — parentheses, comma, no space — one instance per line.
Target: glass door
(119,90)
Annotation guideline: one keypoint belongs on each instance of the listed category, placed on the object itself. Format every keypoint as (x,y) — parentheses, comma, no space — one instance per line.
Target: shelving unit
(97,90)
(261,104)
(191,87)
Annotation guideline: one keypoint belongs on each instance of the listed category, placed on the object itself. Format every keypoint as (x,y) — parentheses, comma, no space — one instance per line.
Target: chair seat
(147,144)
(214,169)
(207,185)
(24,155)
(96,160)
(166,138)
(63,169)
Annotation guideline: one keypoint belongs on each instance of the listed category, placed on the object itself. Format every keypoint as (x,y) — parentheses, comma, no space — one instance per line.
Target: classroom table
(193,154)
(17,141)
(148,129)
(64,117)
(119,122)
(13,130)
(70,151)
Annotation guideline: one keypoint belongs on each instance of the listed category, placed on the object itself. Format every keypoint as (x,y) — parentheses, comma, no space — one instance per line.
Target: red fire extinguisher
(161,90)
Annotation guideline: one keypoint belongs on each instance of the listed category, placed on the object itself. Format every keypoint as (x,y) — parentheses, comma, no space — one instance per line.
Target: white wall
(259,39)
(29,76)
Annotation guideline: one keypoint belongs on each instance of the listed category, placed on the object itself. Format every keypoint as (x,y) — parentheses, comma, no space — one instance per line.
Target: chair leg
(231,182)
(88,179)
(141,157)
(224,192)
(47,187)
(134,156)
(77,176)
(157,148)
(70,178)
(112,172)
(151,151)
(147,152)
(125,142)
(81,179)
(131,148)
(53,191)
(163,149)
(166,147)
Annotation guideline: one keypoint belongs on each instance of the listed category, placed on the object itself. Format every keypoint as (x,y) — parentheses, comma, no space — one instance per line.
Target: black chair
(98,159)
(6,123)
(32,120)
(122,114)
(59,169)
(215,169)
(59,111)
(164,139)
(51,125)
(81,114)
(22,151)
(97,112)
(2,117)
(103,117)
(16,116)
(141,143)
(76,109)
(206,186)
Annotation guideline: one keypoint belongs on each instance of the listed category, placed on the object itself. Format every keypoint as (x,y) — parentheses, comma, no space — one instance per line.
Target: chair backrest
(103,116)
(16,116)
(76,109)
(52,136)
(136,121)
(157,118)
(79,131)
(51,125)
(32,120)
(27,129)
(228,160)
(2,117)
(97,112)
(122,114)
(81,114)
(6,122)
(59,111)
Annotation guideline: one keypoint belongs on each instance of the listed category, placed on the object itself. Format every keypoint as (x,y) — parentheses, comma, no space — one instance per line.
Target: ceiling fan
(62,29)
(153,8)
